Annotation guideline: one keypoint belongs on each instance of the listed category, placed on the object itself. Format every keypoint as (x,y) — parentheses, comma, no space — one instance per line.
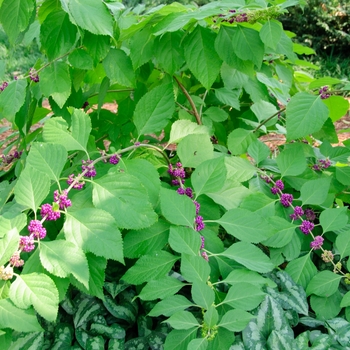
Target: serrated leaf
(333,219)
(194,268)
(324,284)
(284,232)
(38,290)
(244,275)
(8,245)
(124,197)
(32,188)
(202,294)
(216,114)
(315,191)
(47,158)
(202,60)
(161,288)
(154,109)
(182,320)
(259,151)
(62,258)
(246,225)
(170,305)
(94,230)
(18,319)
(235,320)
(184,127)
(342,174)
(302,270)
(249,256)
(57,34)
(244,296)
(119,68)
(292,161)
(239,169)
(195,149)
(55,81)
(12,98)
(342,242)
(91,15)
(15,16)
(337,106)
(326,307)
(263,110)
(179,339)
(150,267)
(209,176)
(271,33)
(145,241)
(239,140)
(55,131)
(80,59)
(141,47)
(229,96)
(184,240)
(305,114)
(176,208)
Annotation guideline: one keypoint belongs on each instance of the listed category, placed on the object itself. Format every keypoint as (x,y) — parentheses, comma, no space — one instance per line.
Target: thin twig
(193,106)
(269,118)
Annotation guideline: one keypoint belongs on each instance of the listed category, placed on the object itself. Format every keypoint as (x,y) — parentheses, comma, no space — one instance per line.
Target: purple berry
(198,206)
(286,199)
(202,242)
(26,243)
(280,185)
(181,191)
(205,256)
(274,190)
(48,213)
(310,214)
(87,165)
(306,227)
(114,159)
(78,185)
(62,199)
(199,223)
(36,229)
(317,242)
(298,212)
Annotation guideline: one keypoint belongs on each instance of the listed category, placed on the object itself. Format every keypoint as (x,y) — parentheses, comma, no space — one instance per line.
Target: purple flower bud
(306,227)
(286,199)
(317,242)
(15,260)
(205,256)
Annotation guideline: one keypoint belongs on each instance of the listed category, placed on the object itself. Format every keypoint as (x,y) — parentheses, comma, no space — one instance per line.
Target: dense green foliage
(168,224)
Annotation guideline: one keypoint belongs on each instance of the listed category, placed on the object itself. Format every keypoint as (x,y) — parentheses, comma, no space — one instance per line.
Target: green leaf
(342,242)
(278,340)
(32,188)
(324,284)
(202,294)
(246,225)
(182,320)
(57,34)
(337,106)
(176,208)
(305,115)
(235,320)
(119,68)
(150,267)
(342,174)
(8,245)
(292,161)
(154,109)
(244,275)
(211,316)
(239,140)
(184,240)
(29,341)
(55,131)
(317,83)
(263,110)
(62,258)
(209,176)
(169,52)
(284,232)
(124,197)
(259,151)
(12,99)
(195,149)
(229,96)
(179,339)
(302,270)
(184,127)
(18,319)
(80,59)
(161,288)
(47,158)
(244,296)
(170,305)
(216,114)
(92,16)
(97,46)
(249,256)
(141,47)
(87,308)
(198,344)
(333,219)
(201,59)
(326,308)
(38,290)
(15,16)
(271,33)
(94,230)
(194,268)
(55,81)
(223,339)
(247,45)
(145,241)
(239,169)
(346,300)
(315,191)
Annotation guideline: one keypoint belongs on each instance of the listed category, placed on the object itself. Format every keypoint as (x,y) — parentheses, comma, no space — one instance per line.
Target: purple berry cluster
(33,75)
(78,184)
(323,92)
(11,157)
(322,164)
(89,168)
(49,213)
(178,172)
(233,16)
(16,260)
(3,86)
(62,199)
(36,229)
(114,159)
